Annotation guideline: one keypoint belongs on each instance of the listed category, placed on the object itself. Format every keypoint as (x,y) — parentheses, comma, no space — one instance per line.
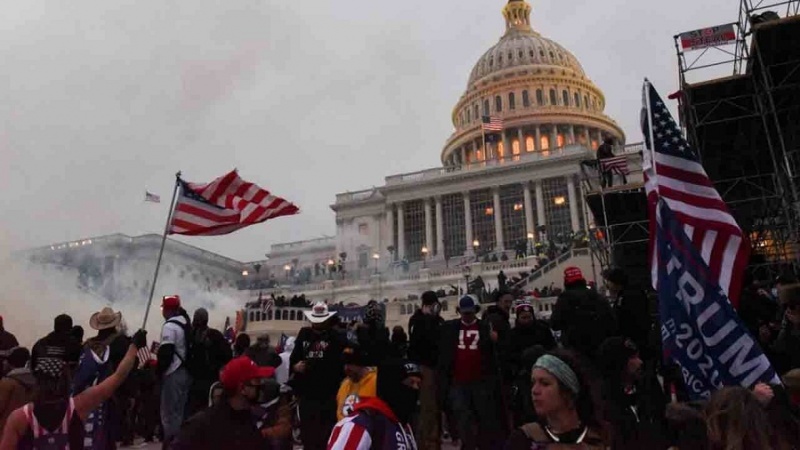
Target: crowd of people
(590,377)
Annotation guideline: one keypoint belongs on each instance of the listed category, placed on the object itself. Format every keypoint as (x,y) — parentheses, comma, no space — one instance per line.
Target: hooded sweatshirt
(372,425)
(16,390)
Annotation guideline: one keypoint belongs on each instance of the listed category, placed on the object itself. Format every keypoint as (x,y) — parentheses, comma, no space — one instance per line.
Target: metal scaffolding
(746,125)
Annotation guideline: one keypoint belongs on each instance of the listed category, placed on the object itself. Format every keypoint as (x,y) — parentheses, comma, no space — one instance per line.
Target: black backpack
(188,338)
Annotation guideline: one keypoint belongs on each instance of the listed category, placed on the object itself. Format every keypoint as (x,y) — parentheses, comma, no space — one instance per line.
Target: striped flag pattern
(616,164)
(150,197)
(492,124)
(223,206)
(144,355)
(677,176)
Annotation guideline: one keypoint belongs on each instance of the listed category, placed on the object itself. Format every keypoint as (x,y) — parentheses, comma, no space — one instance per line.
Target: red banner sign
(708,37)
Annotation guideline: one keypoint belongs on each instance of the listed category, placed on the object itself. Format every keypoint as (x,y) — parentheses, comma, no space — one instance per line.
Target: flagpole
(161,250)
(650,130)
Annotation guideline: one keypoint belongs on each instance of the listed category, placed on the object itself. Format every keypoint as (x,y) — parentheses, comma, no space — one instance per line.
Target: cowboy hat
(105,319)
(319,313)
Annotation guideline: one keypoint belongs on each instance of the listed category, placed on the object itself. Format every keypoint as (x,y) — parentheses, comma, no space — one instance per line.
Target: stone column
(468,224)
(537,143)
(463,152)
(572,134)
(506,146)
(439,228)
(587,134)
(528,206)
(390,225)
(540,219)
(521,139)
(553,137)
(573,203)
(428,226)
(401,232)
(498,221)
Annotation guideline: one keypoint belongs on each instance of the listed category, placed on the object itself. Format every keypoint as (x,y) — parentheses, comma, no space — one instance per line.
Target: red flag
(224,206)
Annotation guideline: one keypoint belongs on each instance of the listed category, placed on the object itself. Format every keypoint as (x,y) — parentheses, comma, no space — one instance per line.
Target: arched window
(291,315)
(586,101)
(577,100)
(515,147)
(500,59)
(545,142)
(561,140)
(526,102)
(498,103)
(565,97)
(469,118)
(529,144)
(486,107)
(285,315)
(269,314)
(512,103)
(475,111)
(553,97)
(539,97)
(402,310)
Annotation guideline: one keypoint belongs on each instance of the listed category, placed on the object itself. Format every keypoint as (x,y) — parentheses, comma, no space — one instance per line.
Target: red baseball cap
(573,274)
(171,301)
(241,370)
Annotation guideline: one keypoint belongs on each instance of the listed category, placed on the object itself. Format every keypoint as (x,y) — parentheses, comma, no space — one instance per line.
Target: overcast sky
(102,99)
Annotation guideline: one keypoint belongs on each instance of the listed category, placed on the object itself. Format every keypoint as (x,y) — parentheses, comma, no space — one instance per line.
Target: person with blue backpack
(100,357)
(55,419)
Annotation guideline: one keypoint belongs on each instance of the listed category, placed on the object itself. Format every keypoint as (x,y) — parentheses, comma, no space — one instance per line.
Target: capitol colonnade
(484,220)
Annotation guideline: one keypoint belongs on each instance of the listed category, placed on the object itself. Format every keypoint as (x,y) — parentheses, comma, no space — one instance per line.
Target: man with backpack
(210,353)
(173,353)
(583,316)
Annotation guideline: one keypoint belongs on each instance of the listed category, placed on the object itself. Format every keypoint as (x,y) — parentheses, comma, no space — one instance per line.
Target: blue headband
(561,370)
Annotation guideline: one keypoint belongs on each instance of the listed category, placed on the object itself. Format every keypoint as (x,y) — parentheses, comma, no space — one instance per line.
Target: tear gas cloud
(34,293)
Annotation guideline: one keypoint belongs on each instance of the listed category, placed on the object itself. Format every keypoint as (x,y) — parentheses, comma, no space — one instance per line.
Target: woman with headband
(563,401)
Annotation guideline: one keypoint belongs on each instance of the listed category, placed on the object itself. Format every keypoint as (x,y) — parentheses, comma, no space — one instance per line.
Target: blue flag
(699,328)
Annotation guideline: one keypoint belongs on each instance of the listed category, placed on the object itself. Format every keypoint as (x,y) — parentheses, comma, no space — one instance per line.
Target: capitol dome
(537,88)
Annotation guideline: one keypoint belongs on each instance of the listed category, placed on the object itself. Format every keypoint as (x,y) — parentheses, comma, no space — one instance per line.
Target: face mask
(405,403)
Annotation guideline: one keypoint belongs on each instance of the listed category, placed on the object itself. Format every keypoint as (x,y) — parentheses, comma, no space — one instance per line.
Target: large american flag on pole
(224,206)
(673,172)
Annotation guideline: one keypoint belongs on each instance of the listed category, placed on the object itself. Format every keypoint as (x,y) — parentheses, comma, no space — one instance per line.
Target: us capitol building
(491,195)
(487,197)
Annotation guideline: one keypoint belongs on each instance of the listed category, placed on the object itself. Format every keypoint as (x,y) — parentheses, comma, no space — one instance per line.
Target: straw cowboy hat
(319,313)
(105,319)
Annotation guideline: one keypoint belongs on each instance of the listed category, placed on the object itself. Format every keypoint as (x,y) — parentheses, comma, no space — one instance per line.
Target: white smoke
(32,295)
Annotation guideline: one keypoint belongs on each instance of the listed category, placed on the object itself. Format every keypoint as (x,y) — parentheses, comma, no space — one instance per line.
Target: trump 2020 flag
(699,328)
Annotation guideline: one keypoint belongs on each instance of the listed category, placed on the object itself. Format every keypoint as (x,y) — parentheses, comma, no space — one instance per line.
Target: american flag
(224,206)
(616,164)
(145,355)
(150,197)
(492,124)
(678,178)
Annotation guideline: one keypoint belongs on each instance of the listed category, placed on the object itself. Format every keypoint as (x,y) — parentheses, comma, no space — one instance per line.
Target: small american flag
(492,124)
(616,164)
(150,197)
(677,177)
(145,355)
(224,206)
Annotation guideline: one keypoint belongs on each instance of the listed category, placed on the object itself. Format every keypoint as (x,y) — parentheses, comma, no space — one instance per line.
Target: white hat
(319,313)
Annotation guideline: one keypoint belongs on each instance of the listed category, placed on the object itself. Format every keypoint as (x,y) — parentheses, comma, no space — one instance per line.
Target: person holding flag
(698,256)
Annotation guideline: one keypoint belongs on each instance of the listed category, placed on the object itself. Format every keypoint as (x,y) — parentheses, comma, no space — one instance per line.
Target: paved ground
(445,446)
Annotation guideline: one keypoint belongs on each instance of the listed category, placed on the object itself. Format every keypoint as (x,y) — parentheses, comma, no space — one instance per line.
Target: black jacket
(424,332)
(322,352)
(57,345)
(523,338)
(633,317)
(448,341)
(373,339)
(220,427)
(584,318)
(637,420)
(500,322)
